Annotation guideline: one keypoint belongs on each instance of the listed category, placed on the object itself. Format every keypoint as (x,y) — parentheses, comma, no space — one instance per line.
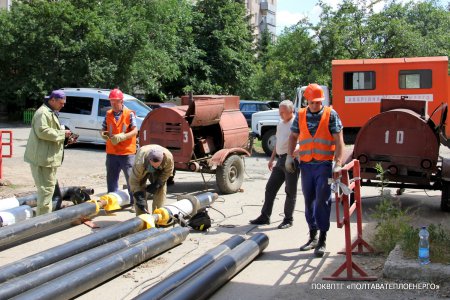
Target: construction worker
(155,163)
(44,151)
(279,174)
(318,131)
(119,131)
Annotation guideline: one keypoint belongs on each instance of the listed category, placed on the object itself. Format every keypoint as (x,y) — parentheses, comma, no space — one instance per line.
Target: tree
(410,29)
(290,62)
(264,43)
(223,35)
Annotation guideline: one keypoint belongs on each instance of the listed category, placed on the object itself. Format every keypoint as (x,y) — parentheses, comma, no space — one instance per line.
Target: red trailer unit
(360,84)
(205,134)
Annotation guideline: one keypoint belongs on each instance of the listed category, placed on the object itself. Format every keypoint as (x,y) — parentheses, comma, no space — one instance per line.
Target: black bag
(200,221)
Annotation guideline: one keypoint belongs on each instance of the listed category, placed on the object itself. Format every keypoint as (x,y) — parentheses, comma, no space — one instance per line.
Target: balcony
(265,7)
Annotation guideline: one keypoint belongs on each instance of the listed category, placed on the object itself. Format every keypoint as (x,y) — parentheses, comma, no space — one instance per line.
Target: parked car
(274,104)
(249,107)
(154,105)
(86,108)
(264,124)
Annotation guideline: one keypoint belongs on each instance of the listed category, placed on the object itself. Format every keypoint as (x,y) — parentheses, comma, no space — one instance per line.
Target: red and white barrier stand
(2,143)
(344,185)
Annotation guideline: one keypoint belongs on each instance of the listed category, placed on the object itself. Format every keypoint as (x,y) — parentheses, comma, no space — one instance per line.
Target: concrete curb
(397,267)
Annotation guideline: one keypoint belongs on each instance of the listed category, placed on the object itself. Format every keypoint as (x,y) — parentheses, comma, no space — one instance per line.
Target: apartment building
(5,4)
(263,16)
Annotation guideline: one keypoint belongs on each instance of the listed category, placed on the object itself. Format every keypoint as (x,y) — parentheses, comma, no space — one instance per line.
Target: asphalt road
(281,272)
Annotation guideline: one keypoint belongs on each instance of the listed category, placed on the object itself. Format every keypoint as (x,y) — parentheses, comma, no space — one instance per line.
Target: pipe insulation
(85,278)
(33,279)
(170,283)
(205,283)
(47,257)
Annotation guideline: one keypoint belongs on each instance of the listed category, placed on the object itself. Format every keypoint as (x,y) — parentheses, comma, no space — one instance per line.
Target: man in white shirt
(279,173)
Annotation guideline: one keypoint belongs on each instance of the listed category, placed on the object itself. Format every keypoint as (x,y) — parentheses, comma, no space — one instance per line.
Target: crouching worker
(156,164)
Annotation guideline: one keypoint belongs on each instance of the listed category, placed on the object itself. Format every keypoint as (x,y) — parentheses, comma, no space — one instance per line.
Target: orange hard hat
(116,94)
(314,92)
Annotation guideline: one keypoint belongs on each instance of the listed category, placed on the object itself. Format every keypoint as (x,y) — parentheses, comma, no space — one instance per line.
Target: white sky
(289,12)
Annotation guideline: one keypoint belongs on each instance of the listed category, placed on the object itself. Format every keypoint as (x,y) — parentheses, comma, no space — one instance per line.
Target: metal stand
(1,148)
(342,178)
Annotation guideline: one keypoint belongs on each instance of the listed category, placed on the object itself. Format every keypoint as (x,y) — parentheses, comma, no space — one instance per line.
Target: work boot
(312,242)
(261,220)
(320,248)
(285,224)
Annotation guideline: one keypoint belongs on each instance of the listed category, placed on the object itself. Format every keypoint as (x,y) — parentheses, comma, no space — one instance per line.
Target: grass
(394,227)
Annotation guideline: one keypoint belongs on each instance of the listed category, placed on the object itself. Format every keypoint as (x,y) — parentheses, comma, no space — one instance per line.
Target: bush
(392,224)
(393,227)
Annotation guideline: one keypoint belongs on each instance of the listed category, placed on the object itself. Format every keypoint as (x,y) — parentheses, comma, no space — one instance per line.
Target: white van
(264,123)
(86,108)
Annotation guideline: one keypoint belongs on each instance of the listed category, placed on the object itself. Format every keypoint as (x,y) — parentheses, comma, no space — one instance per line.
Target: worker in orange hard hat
(318,132)
(119,131)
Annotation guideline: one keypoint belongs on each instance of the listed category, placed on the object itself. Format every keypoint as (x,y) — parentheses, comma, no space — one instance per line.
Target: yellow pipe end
(164,216)
(149,221)
(111,202)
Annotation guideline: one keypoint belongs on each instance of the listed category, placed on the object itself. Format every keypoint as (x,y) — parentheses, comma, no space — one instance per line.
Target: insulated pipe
(121,197)
(66,192)
(185,207)
(60,252)
(170,283)
(85,278)
(28,281)
(205,283)
(42,223)
(8,203)
(14,215)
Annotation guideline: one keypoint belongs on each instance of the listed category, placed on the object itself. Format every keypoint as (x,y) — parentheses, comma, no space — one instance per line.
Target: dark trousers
(277,178)
(317,193)
(115,164)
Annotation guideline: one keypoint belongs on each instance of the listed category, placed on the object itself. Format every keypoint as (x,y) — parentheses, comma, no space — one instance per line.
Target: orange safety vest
(319,147)
(114,126)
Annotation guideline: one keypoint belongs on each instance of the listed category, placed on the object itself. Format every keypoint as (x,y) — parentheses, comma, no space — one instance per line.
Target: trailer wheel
(445,198)
(230,175)
(268,141)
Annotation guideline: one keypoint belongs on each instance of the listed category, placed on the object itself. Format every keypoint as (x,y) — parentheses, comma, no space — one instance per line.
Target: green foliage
(223,35)
(165,48)
(392,224)
(290,62)
(439,243)
(303,53)
(393,227)
(264,43)
(392,221)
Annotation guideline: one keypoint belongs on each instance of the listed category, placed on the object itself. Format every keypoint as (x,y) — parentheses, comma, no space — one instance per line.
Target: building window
(359,80)
(415,79)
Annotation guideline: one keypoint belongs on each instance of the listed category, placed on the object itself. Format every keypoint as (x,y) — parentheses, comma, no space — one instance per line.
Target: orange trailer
(358,85)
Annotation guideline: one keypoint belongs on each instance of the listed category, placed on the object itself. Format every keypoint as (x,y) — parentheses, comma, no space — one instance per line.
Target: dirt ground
(281,272)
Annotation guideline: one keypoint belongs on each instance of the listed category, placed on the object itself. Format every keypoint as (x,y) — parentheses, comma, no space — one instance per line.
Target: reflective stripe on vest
(321,146)
(122,125)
